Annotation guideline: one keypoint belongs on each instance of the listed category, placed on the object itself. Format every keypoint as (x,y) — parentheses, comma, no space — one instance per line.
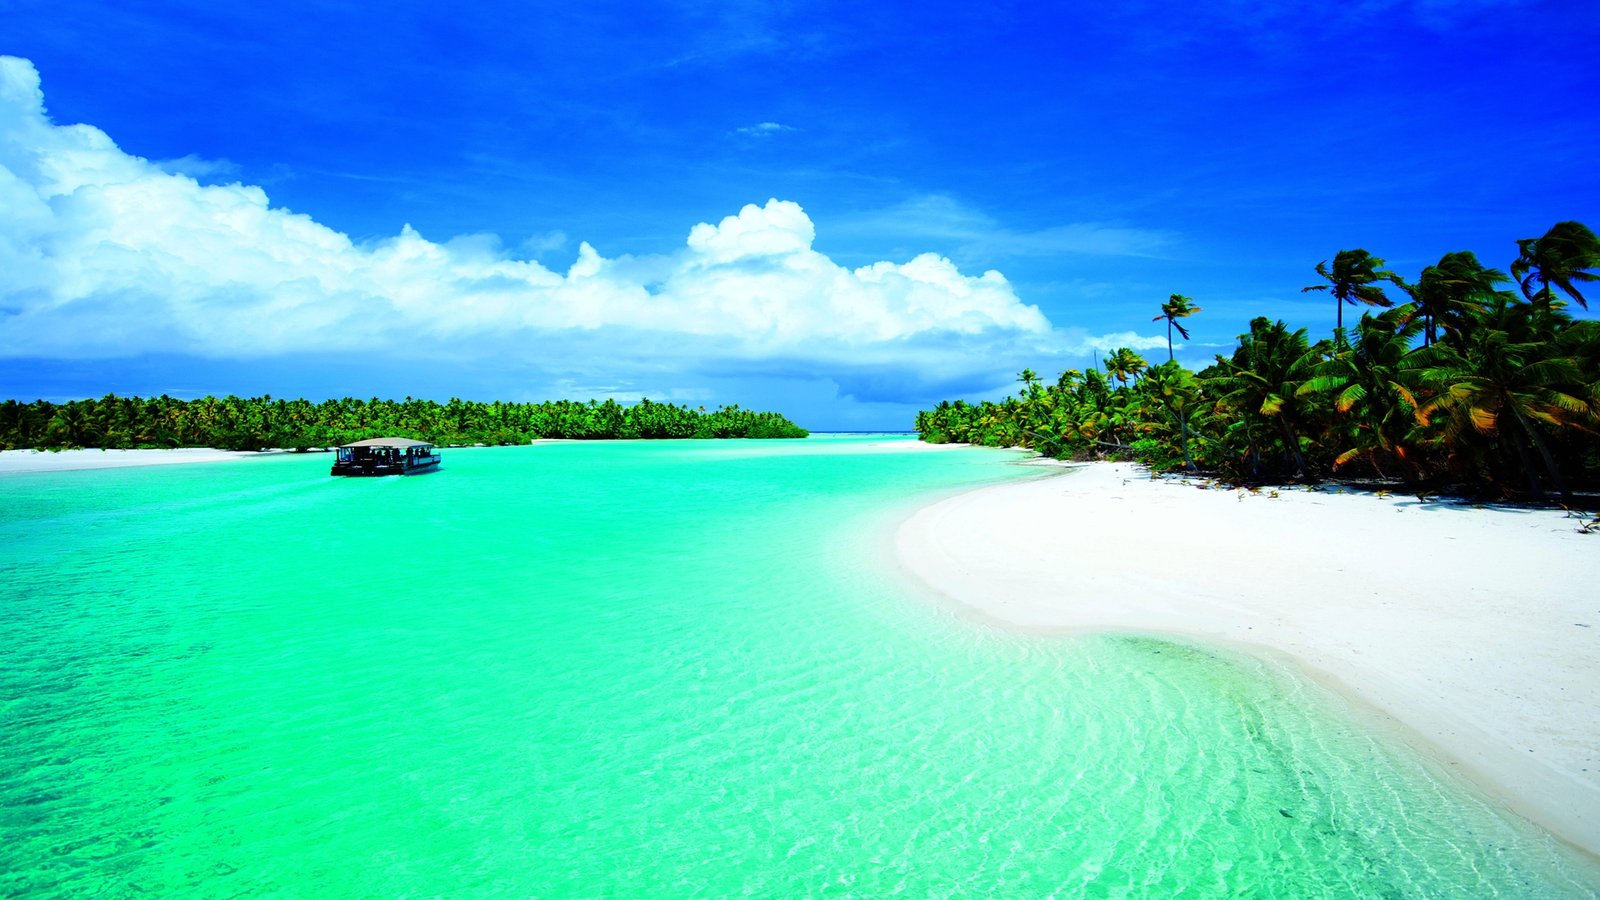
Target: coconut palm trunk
(1550,467)
(1293,443)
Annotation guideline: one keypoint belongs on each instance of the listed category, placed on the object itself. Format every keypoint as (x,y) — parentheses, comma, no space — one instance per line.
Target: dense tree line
(234,423)
(1452,380)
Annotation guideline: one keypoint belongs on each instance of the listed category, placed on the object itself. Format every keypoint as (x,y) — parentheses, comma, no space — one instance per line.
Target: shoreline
(1472,629)
(15,462)
(29,461)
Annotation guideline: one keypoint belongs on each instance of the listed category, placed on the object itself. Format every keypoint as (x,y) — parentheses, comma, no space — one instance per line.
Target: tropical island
(234,423)
(1312,618)
(1457,384)
(1482,652)
(1487,672)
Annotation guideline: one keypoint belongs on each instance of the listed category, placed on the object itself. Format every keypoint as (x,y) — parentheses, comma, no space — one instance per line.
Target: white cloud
(199,168)
(776,230)
(764,129)
(539,244)
(1103,343)
(105,255)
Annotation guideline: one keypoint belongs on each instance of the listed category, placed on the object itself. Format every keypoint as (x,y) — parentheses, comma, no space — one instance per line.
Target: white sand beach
(1476,629)
(19,461)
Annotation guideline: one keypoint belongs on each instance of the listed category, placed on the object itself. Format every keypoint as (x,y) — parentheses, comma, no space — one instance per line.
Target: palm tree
(1261,384)
(71,426)
(1177,307)
(1563,257)
(1174,389)
(1353,279)
(1030,382)
(1448,293)
(1372,385)
(1123,364)
(1510,370)
(249,423)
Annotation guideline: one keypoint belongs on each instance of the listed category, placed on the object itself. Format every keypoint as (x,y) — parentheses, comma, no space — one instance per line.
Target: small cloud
(537,245)
(764,129)
(200,169)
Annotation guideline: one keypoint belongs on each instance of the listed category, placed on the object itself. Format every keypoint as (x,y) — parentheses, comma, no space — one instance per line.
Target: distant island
(1464,386)
(234,423)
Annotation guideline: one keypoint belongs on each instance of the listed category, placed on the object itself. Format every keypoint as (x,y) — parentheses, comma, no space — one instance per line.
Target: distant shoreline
(14,462)
(27,461)
(1474,628)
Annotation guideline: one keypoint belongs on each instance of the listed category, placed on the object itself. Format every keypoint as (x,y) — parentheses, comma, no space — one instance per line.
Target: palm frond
(1485,420)
(1349,397)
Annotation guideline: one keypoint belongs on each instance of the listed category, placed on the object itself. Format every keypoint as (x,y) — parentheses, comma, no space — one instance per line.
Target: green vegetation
(1466,385)
(233,423)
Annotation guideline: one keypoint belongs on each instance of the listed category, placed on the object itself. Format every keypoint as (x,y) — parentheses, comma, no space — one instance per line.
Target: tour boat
(386,456)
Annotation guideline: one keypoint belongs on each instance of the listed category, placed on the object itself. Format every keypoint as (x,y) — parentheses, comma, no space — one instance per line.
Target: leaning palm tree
(1566,255)
(1353,279)
(1448,293)
(1177,307)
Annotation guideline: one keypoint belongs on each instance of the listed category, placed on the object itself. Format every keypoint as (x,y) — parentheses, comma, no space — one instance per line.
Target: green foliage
(1156,454)
(233,423)
(1449,293)
(1373,386)
(1466,386)
(1259,387)
(1124,364)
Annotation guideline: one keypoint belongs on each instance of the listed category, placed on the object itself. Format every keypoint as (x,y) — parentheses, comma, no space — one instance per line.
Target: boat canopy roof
(400,443)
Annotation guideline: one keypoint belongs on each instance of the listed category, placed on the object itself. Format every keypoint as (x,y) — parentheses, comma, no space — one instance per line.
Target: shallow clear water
(645,669)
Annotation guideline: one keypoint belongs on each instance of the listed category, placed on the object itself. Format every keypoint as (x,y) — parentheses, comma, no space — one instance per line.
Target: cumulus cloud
(105,255)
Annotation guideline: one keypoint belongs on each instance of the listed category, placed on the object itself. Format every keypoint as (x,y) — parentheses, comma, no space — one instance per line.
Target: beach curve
(1475,629)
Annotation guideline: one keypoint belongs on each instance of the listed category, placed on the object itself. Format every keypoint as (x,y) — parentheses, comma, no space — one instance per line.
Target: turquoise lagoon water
(646,670)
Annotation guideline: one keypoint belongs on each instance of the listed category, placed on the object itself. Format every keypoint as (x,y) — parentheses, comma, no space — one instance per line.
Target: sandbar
(1476,628)
(23,461)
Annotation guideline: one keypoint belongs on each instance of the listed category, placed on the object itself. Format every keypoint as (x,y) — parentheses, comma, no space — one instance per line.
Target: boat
(386,456)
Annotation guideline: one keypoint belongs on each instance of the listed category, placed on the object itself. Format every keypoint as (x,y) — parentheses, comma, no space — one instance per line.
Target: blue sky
(842,211)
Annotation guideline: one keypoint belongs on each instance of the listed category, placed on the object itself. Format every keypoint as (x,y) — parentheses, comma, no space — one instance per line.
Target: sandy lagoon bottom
(630,669)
